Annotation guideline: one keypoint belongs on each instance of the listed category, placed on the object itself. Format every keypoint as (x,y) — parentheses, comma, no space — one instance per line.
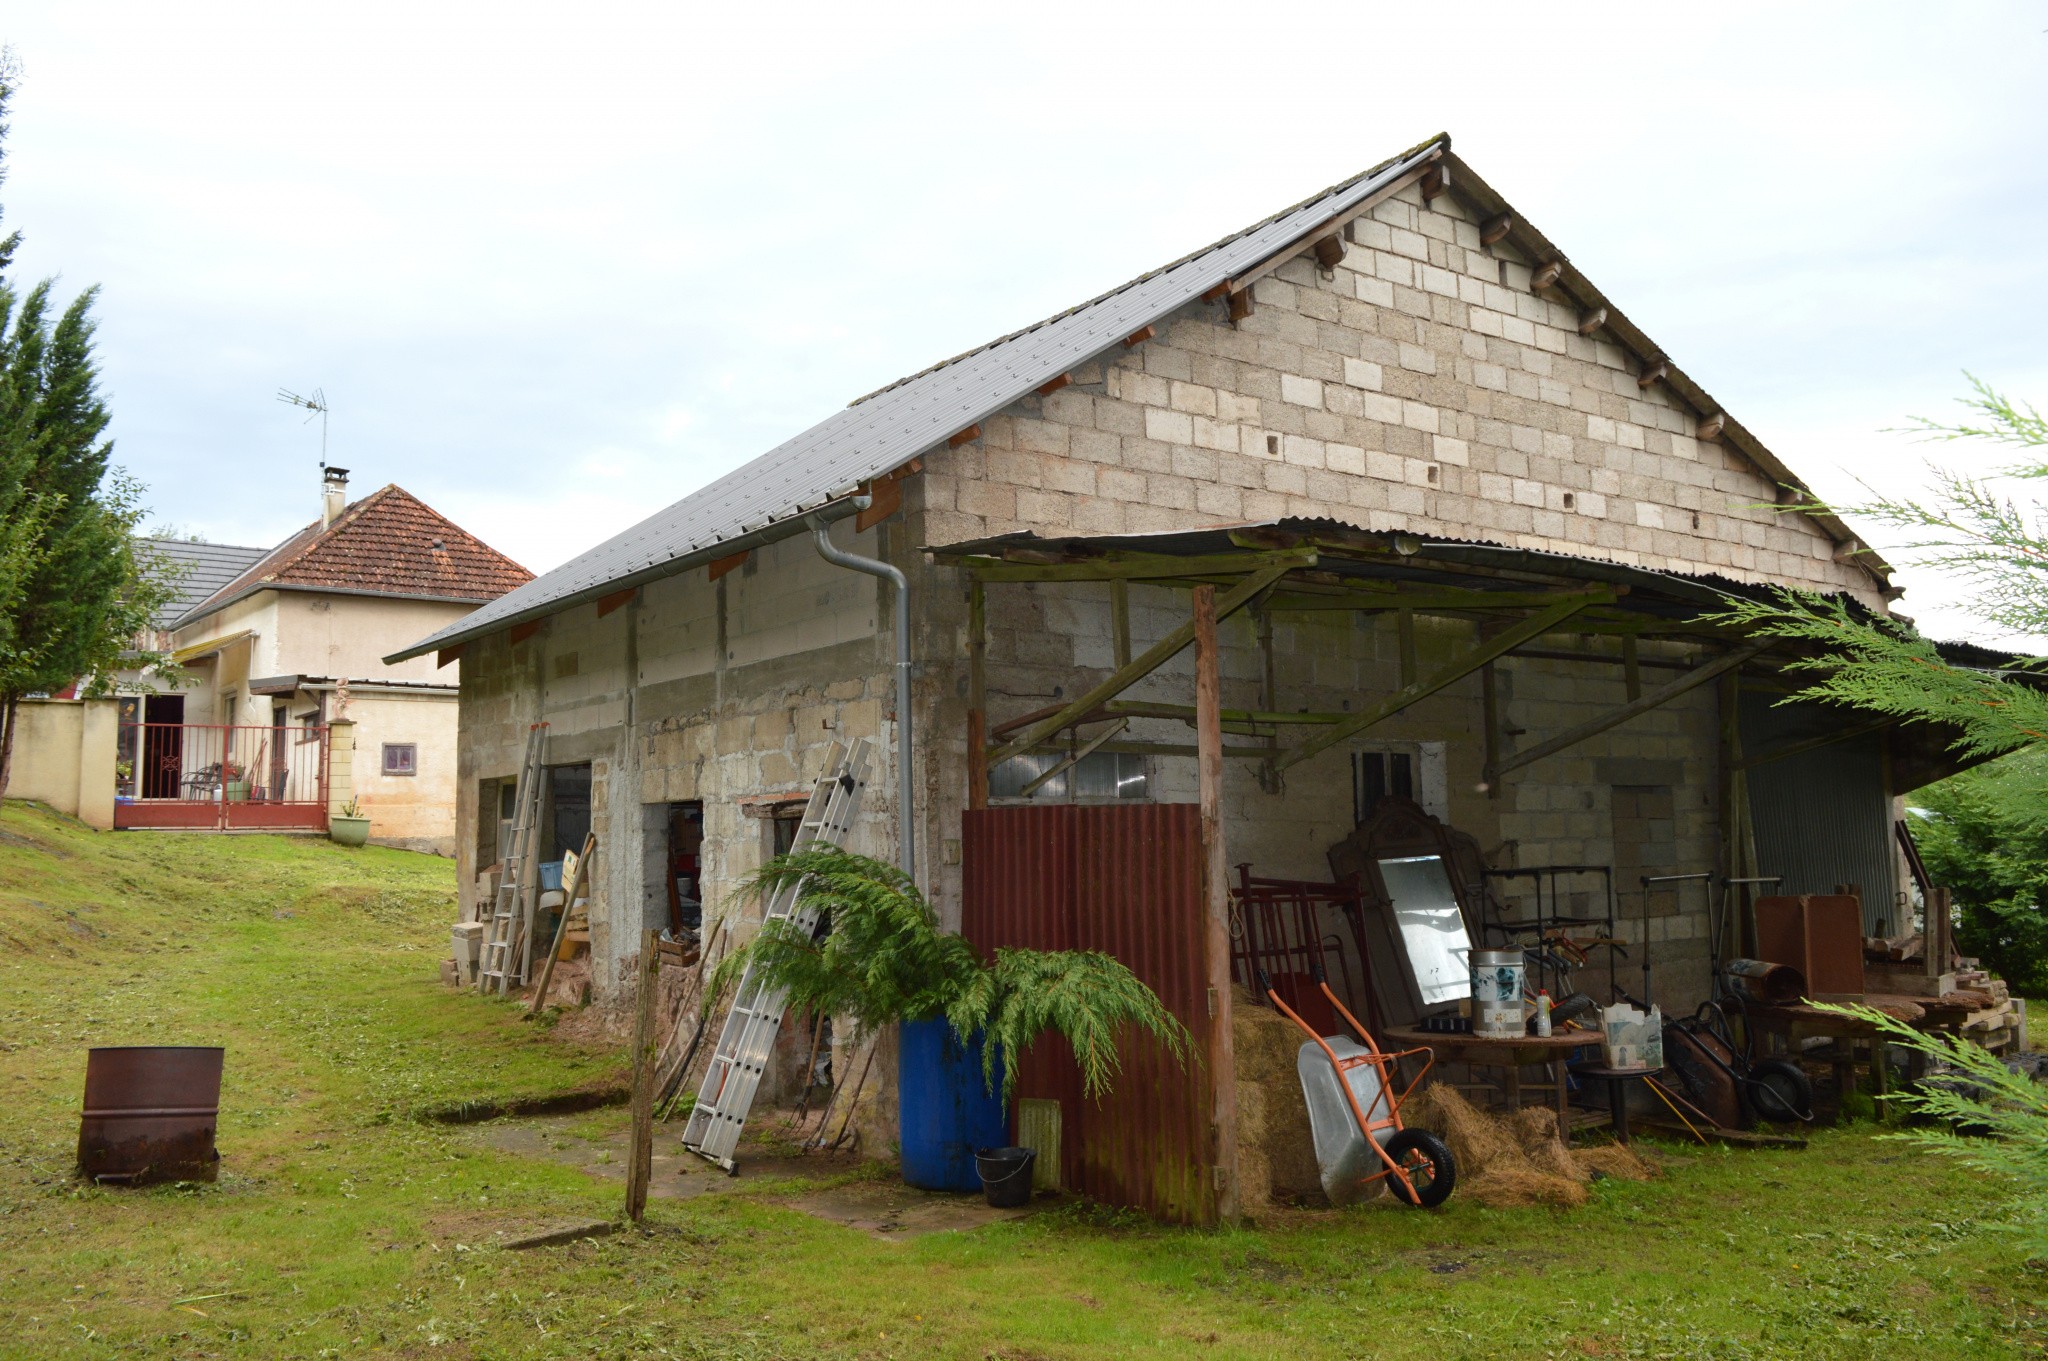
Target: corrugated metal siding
(1126,880)
(888,428)
(1821,818)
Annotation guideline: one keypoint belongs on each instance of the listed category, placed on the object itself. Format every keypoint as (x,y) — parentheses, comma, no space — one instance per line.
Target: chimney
(333,494)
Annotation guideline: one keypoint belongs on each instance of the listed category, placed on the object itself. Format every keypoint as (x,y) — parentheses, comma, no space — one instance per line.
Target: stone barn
(1379,503)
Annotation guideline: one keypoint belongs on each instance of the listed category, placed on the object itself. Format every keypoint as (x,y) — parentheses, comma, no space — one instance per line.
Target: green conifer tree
(73,591)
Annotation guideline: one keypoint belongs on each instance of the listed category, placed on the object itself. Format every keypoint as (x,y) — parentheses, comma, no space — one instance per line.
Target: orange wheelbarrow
(1354,1112)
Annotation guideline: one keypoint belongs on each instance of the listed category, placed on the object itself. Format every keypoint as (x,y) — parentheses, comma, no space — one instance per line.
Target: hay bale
(1276,1149)
(1614,1160)
(1517,1160)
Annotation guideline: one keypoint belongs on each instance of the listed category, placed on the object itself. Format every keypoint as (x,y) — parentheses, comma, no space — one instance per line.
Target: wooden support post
(1664,694)
(1934,933)
(977,696)
(1728,696)
(1488,649)
(1591,320)
(1269,686)
(1490,702)
(1120,620)
(1546,276)
(1405,622)
(1631,667)
(1222,1054)
(1155,656)
(640,1163)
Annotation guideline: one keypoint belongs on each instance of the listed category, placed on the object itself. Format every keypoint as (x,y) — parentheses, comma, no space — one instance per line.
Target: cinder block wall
(695,690)
(1419,386)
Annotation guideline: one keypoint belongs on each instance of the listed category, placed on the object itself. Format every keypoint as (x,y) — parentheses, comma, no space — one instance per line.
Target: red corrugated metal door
(1125,879)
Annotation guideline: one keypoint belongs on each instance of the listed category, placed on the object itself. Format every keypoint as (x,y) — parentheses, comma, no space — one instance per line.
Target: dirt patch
(29,843)
(611,1091)
(884,1208)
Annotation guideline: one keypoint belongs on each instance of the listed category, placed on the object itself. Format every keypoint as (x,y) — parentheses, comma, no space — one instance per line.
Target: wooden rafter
(1662,695)
(1279,565)
(1464,665)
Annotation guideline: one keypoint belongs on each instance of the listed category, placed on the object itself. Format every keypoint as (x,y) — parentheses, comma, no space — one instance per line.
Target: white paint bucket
(1497,994)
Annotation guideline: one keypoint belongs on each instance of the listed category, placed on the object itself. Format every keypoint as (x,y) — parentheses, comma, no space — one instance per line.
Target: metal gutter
(906,822)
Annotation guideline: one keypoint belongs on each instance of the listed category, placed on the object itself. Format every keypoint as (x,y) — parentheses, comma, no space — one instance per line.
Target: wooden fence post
(640,1168)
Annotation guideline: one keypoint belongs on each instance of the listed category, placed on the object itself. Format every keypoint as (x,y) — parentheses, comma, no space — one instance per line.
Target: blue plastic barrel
(944,1111)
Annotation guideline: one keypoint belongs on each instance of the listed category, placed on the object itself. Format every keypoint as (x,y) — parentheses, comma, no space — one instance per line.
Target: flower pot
(235,791)
(348,831)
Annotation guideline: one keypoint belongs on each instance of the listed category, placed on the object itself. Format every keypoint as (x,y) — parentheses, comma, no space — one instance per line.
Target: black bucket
(1006,1175)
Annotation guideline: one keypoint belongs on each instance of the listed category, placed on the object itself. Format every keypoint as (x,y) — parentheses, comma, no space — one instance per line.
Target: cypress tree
(73,594)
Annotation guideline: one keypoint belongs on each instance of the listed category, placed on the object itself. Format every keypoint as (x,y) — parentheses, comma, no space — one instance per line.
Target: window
(1098,775)
(401,758)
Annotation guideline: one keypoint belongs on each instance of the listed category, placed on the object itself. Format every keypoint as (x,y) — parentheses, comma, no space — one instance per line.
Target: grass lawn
(346,1224)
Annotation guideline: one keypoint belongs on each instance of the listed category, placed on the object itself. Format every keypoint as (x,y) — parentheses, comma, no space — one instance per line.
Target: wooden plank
(1741,1137)
(519,633)
(1155,656)
(640,1159)
(1140,336)
(1047,389)
(960,437)
(1654,372)
(1222,1053)
(1664,694)
(576,881)
(1495,228)
(1591,320)
(606,604)
(1443,601)
(885,498)
(1149,708)
(1462,666)
(449,654)
(1081,754)
(721,566)
(1546,276)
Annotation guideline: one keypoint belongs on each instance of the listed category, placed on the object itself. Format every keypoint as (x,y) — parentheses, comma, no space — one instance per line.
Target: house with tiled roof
(284,645)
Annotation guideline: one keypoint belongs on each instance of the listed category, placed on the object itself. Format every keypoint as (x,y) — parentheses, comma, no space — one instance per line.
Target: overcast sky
(556,267)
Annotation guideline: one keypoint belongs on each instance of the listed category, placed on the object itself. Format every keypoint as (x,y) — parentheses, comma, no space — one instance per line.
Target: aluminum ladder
(748,1037)
(509,942)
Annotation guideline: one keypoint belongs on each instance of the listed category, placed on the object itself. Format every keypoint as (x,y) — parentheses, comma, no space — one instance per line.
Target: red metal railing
(221,776)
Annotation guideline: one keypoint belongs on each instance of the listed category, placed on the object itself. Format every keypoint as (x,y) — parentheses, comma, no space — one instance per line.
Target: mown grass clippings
(346,1225)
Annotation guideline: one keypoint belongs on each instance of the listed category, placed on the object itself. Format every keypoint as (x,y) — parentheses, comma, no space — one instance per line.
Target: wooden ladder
(508,944)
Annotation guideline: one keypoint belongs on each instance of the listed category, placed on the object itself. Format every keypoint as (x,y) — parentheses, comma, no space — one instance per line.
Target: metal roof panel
(888,428)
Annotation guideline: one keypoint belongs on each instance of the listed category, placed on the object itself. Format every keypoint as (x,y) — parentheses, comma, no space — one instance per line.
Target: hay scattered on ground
(1520,1159)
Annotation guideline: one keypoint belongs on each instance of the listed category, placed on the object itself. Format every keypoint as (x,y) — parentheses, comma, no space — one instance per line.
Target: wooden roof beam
(1459,667)
(1592,727)
(1153,657)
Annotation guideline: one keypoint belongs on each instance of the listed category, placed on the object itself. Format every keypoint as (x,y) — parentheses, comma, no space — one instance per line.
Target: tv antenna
(316,404)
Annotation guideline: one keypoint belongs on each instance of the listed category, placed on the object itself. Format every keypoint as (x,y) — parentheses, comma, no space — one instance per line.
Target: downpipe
(906,847)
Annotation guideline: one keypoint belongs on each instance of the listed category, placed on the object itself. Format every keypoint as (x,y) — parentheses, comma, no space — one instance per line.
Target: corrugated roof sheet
(888,428)
(389,543)
(206,567)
